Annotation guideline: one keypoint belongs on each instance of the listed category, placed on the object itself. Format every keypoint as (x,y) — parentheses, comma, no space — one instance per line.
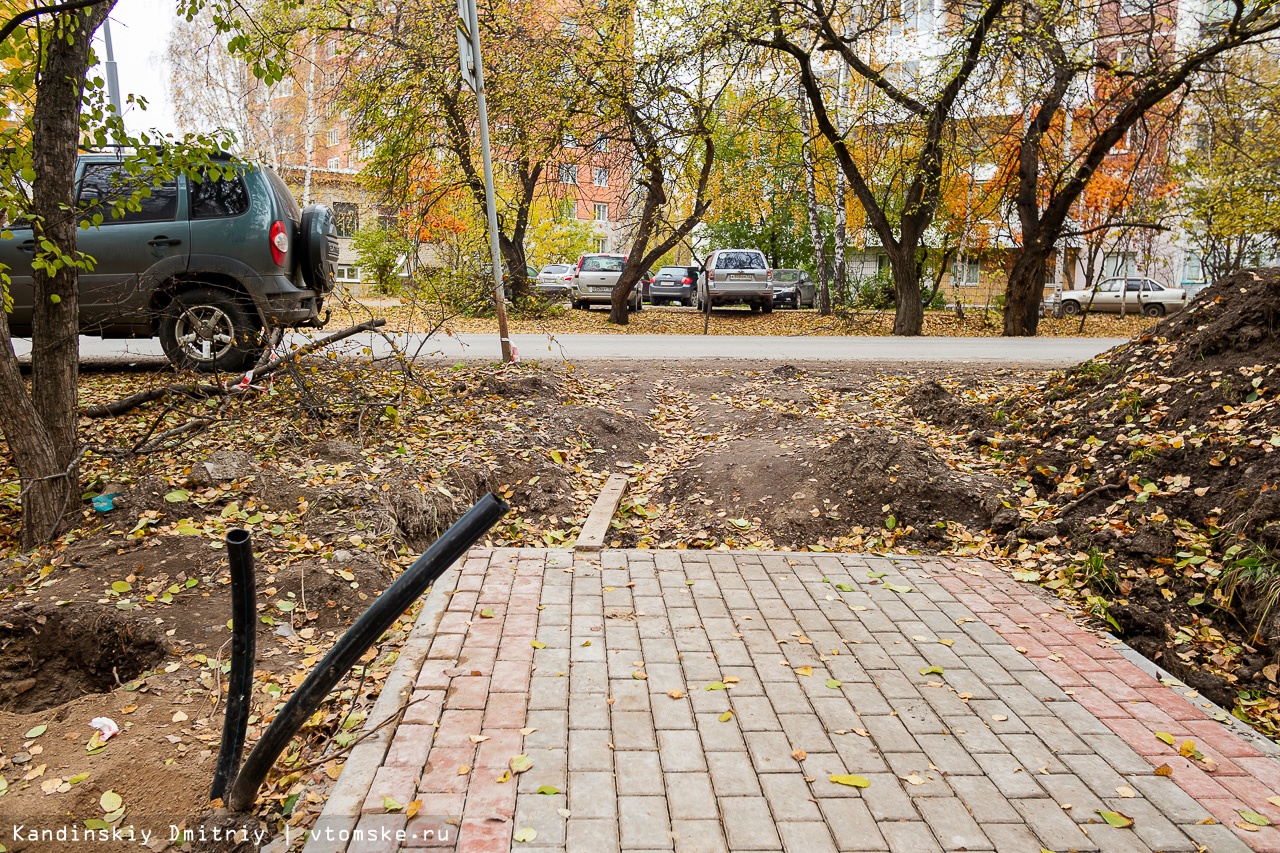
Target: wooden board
(596,529)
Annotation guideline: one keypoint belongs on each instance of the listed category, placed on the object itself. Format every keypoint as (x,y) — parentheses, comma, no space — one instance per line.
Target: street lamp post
(113,81)
(473,76)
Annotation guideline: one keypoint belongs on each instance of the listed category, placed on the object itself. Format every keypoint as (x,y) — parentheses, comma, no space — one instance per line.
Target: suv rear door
(742,270)
(133,253)
(218,205)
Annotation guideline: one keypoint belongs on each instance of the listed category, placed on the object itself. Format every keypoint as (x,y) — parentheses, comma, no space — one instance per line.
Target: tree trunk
(908,318)
(1024,293)
(811,201)
(841,273)
(516,283)
(42,430)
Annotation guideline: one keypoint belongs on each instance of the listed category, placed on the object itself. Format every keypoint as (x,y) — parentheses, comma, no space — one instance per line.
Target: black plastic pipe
(244,625)
(384,611)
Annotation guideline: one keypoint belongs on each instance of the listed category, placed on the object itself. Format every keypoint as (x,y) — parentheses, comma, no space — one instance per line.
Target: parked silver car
(1136,295)
(736,277)
(594,277)
(794,288)
(555,280)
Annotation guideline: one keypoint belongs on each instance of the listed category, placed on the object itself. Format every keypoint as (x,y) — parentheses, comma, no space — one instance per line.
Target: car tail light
(711,275)
(686,280)
(768,276)
(279,238)
(568,277)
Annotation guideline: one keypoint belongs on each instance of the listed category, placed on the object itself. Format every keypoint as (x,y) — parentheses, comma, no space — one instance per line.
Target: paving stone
(748,824)
(643,823)
(807,837)
(729,777)
(639,774)
(681,751)
(984,800)
(952,824)
(698,836)
(851,825)
(690,796)
(789,798)
(1051,824)
(910,837)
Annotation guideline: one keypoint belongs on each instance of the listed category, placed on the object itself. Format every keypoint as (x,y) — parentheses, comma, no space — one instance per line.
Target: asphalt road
(1027,352)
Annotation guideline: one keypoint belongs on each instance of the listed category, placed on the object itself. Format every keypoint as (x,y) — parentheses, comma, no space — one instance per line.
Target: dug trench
(976,461)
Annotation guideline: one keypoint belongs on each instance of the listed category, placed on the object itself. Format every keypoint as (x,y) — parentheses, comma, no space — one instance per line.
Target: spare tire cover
(318,248)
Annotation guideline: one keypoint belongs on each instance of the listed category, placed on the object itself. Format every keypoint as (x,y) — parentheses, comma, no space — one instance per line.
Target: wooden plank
(596,528)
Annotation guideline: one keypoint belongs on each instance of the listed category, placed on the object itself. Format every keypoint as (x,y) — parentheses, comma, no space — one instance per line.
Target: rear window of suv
(740,261)
(214,196)
(678,272)
(603,264)
(555,268)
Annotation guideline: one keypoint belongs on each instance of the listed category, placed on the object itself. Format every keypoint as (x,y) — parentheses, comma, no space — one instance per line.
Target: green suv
(212,267)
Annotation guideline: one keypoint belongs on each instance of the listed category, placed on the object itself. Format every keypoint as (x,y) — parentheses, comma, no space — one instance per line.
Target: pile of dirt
(929,401)
(871,478)
(1162,458)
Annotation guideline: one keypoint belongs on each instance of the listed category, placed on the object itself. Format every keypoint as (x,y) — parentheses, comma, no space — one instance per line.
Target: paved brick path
(1031,728)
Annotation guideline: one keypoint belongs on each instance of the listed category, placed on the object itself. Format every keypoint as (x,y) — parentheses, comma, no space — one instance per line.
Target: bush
(874,292)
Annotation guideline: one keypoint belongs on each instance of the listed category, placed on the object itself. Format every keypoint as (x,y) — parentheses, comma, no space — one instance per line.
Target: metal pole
(490,206)
(113,81)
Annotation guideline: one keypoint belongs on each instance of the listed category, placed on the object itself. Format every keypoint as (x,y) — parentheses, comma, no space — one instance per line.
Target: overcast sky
(139,35)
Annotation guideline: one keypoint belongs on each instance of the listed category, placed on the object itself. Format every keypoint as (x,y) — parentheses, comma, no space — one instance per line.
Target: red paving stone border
(1127,699)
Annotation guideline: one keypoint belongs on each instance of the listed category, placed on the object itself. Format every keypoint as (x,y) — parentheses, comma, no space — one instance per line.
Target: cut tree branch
(199,392)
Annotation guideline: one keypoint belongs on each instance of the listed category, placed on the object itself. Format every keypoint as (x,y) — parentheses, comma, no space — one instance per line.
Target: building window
(1192,269)
(333,136)
(346,218)
(602,212)
(1120,265)
(569,141)
(602,244)
(965,272)
(568,174)
(600,176)
(569,28)
(289,144)
(601,144)
(333,162)
(346,273)
(331,48)
(365,149)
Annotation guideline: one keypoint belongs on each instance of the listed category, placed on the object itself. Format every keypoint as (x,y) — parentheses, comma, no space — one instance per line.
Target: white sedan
(1133,295)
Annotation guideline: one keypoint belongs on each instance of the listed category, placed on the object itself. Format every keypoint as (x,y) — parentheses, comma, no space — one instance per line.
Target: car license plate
(739,278)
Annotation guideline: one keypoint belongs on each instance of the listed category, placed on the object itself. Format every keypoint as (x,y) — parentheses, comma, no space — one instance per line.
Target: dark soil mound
(930,402)
(1164,456)
(861,479)
(1196,397)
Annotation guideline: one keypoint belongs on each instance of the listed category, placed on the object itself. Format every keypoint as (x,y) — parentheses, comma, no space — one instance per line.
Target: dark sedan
(674,284)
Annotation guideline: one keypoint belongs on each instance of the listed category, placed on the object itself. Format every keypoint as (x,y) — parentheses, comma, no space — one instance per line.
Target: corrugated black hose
(384,611)
(243,653)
